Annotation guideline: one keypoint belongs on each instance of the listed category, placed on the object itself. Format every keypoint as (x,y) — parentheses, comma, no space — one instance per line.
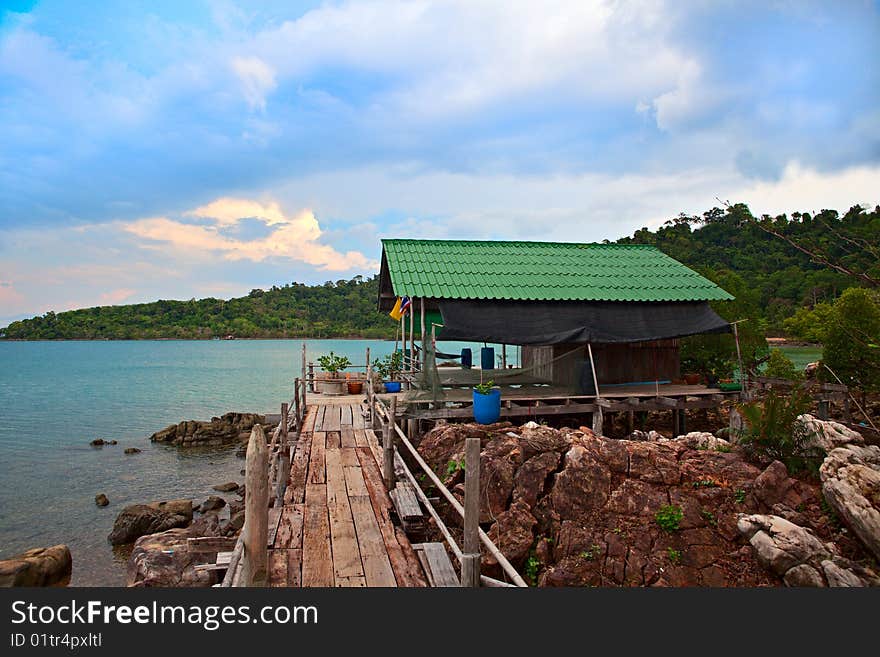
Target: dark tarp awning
(552,322)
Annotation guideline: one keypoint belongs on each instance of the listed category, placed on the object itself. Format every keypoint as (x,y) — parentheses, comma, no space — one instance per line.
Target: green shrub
(669,517)
(773,433)
(779,366)
(333,363)
(852,345)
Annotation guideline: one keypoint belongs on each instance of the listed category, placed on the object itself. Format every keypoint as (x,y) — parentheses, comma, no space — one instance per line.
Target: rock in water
(164,559)
(219,430)
(227,487)
(132,450)
(211,504)
(101,499)
(177,507)
(38,567)
(97,442)
(139,519)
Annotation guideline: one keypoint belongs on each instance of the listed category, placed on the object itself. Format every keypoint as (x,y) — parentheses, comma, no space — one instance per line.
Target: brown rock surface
(49,566)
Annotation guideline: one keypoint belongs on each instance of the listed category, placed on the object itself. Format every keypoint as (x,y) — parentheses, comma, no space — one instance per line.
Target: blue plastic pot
(487,408)
(392,386)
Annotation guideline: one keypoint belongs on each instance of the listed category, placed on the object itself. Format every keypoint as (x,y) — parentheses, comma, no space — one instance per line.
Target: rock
(773,484)
(132,450)
(97,442)
(826,434)
(112,442)
(37,567)
(227,487)
(101,499)
(851,484)
(140,519)
(798,556)
(211,504)
(512,533)
(803,575)
(177,507)
(163,559)
(530,479)
(810,370)
(227,428)
(652,436)
(703,440)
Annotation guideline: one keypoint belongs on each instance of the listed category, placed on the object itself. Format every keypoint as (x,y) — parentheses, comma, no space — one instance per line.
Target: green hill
(770,278)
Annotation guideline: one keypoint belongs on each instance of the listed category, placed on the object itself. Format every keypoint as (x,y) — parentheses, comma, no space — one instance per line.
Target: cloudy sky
(166,149)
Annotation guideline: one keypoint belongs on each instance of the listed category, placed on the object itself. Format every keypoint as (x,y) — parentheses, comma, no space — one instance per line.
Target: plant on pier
(333,363)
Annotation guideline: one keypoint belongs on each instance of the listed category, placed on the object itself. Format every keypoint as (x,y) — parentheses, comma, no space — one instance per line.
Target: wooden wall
(615,363)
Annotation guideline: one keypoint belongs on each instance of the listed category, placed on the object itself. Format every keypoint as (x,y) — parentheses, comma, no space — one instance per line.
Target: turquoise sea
(55,397)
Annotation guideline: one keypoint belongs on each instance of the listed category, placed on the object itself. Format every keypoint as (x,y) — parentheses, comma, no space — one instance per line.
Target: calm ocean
(57,396)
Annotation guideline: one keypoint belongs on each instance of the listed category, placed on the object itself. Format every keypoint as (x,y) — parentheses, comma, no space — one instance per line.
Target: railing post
(312,385)
(283,471)
(470,558)
(388,446)
(256,504)
(297,418)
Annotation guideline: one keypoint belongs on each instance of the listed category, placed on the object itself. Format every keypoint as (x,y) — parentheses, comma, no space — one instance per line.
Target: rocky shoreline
(158,532)
(569,508)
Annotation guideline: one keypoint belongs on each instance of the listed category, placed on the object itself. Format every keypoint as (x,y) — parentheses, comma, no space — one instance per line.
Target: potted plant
(355,386)
(333,365)
(487,403)
(388,368)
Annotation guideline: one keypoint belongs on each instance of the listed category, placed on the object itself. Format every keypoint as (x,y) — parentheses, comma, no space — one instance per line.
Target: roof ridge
(385,240)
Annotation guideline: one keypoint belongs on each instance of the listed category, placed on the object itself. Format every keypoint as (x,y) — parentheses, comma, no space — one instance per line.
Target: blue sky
(164,149)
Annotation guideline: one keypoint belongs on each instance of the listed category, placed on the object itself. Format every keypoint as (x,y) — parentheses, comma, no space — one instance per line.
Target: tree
(779,366)
(852,345)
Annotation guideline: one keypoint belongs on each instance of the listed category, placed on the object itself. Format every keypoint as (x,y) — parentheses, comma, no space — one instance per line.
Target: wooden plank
(316,458)
(360,438)
(294,568)
(405,502)
(332,417)
(373,442)
(299,471)
(351,582)
(274,519)
(439,565)
(376,564)
(319,417)
(349,457)
(345,415)
(316,494)
(334,441)
(277,568)
(317,557)
(406,568)
(290,527)
(344,539)
(357,417)
(309,419)
(347,437)
(354,481)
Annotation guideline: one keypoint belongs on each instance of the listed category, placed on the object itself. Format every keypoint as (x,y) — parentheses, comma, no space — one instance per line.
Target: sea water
(55,397)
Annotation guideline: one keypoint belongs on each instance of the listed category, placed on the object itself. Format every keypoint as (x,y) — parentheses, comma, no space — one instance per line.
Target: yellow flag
(396,313)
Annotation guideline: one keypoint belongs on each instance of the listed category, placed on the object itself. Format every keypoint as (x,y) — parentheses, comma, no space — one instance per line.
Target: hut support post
(388,446)
(739,358)
(256,503)
(593,369)
(412,338)
(470,558)
(503,356)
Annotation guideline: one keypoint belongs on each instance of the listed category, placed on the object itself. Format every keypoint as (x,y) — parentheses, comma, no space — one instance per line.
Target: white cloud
(257,80)
(293,238)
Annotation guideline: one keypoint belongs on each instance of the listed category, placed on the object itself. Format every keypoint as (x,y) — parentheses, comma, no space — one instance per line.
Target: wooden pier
(335,526)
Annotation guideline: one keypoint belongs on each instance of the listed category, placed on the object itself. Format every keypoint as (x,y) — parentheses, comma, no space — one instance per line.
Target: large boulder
(827,434)
(798,556)
(851,485)
(164,559)
(49,566)
(176,507)
(227,428)
(140,519)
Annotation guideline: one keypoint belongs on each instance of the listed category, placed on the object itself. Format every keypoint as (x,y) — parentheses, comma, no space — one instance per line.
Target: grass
(669,517)
(674,556)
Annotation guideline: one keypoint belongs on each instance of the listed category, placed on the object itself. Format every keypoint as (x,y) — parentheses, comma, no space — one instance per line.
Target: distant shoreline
(178,339)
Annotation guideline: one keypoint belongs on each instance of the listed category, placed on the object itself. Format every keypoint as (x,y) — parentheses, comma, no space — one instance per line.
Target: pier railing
(393,466)
(267,465)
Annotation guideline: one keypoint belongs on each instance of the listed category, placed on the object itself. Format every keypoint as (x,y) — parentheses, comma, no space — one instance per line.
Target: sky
(163,149)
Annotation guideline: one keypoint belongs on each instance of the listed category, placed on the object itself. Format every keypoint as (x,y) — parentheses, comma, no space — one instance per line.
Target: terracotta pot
(355,387)
(692,379)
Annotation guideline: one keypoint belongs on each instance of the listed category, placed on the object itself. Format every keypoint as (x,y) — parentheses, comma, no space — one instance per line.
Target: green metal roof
(545,271)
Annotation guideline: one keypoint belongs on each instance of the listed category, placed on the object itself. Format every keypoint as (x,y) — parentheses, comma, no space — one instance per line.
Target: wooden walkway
(335,527)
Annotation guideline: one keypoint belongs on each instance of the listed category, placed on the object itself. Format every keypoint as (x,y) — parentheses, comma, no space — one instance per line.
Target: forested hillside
(340,309)
(770,277)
